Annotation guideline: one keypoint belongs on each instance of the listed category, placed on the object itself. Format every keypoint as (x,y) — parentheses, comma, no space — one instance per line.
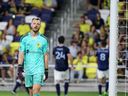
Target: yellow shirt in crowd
(79,63)
(23,29)
(36,3)
(85,27)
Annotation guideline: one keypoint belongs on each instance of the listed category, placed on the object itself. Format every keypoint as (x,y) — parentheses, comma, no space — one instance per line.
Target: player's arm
(46,65)
(70,59)
(46,60)
(21,55)
(21,58)
(46,50)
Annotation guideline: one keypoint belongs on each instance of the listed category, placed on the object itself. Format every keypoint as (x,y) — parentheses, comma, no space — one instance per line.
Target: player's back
(103,58)
(61,59)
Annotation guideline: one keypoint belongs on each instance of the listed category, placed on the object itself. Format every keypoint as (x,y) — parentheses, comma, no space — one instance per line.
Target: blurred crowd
(15,19)
(90,30)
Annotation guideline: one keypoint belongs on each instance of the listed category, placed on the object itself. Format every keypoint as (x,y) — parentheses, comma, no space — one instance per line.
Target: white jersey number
(102,57)
(60,55)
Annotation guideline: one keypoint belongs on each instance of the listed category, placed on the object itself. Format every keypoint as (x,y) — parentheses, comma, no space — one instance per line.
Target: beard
(35,30)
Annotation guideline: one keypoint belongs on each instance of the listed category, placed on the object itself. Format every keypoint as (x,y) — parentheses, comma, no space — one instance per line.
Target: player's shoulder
(24,36)
(44,37)
(66,47)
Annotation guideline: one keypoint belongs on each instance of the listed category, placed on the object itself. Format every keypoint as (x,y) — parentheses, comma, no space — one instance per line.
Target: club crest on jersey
(38,45)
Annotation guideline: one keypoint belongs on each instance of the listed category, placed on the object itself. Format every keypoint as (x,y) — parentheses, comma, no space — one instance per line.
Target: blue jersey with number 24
(61,59)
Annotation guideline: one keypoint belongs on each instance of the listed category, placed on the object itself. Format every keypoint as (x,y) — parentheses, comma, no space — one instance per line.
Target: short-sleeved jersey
(103,58)
(61,58)
(34,49)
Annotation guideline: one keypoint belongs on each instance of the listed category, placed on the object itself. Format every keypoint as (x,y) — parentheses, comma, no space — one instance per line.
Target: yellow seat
(14,46)
(91,72)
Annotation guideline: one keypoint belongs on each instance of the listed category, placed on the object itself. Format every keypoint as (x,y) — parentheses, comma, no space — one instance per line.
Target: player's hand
(72,67)
(46,74)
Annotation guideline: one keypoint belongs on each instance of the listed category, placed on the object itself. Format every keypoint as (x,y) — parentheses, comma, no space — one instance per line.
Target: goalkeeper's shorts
(31,80)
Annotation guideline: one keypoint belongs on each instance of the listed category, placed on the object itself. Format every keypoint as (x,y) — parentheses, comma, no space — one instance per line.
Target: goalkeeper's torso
(34,54)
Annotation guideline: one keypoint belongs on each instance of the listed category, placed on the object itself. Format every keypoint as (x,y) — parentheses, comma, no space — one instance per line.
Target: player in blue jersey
(61,72)
(33,52)
(103,68)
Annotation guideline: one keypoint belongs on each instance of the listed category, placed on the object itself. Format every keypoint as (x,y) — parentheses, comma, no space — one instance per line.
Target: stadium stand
(86,26)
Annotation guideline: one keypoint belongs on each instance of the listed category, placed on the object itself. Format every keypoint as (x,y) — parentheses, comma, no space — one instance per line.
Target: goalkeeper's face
(35,25)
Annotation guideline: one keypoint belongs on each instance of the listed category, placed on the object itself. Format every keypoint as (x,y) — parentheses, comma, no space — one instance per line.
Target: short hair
(79,52)
(61,39)
(103,43)
(36,18)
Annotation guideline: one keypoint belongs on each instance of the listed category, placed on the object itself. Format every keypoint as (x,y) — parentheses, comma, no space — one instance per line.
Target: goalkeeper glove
(46,74)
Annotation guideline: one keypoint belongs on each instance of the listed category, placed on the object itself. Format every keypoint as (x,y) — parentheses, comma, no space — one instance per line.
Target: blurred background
(84,23)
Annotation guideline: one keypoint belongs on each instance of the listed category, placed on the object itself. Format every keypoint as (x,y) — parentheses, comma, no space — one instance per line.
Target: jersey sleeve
(67,50)
(97,52)
(22,45)
(53,51)
(46,47)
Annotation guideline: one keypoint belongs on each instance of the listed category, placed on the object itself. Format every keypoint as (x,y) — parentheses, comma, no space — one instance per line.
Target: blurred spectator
(91,71)
(87,20)
(4,43)
(99,21)
(108,21)
(6,15)
(92,14)
(10,29)
(14,61)
(23,28)
(84,45)
(36,3)
(1,11)
(93,36)
(101,36)
(13,8)
(85,60)
(122,61)
(77,36)
(35,11)
(43,28)
(6,5)
(91,51)
(48,10)
(79,67)
(19,5)
(84,26)
(16,37)
(95,3)
(104,4)
(3,60)
(100,4)
(73,49)
(50,4)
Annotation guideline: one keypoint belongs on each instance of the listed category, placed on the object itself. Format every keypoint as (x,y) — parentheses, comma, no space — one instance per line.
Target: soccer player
(61,72)
(33,52)
(19,81)
(103,67)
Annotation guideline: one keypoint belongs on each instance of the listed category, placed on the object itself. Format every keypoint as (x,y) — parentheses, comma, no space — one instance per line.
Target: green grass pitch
(22,93)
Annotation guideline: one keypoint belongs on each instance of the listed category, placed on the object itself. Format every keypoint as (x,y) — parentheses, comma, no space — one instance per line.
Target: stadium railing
(85,85)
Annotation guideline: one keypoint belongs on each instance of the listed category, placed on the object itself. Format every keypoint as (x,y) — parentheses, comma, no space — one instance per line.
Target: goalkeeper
(33,52)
